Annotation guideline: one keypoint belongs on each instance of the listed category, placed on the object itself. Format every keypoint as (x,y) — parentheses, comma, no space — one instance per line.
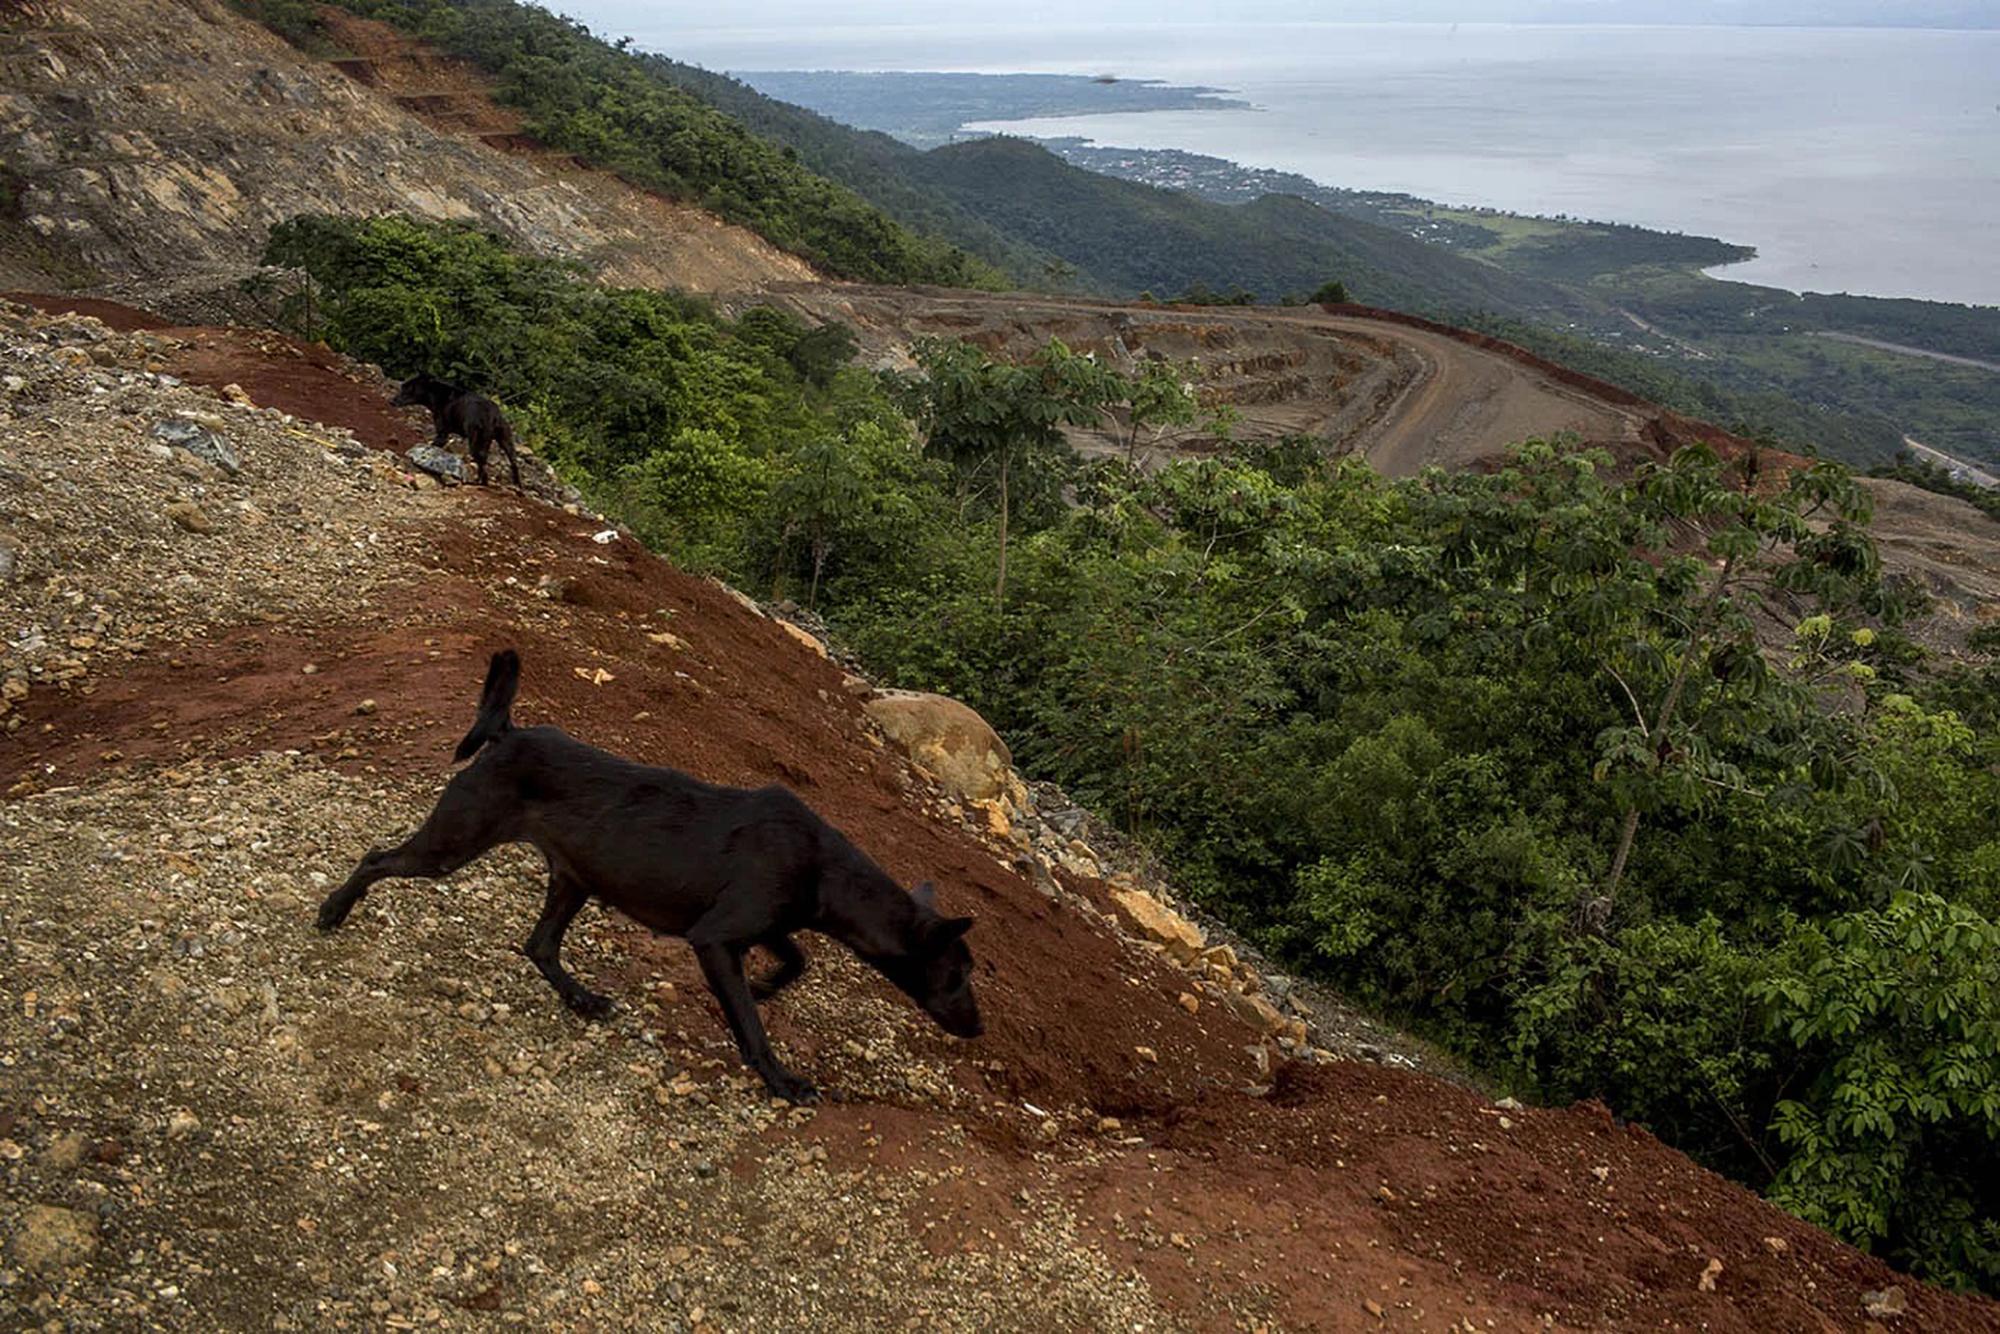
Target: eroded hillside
(150,144)
(240,645)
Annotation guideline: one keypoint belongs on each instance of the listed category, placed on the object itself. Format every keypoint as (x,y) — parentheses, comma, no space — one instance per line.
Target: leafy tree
(1159,399)
(987,416)
(1696,659)
(1894,1133)
(839,491)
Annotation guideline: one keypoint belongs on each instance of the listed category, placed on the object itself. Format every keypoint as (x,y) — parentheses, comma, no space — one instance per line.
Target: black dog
(725,868)
(462,412)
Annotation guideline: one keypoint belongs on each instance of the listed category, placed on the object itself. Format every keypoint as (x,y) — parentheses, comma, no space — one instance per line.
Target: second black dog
(456,411)
(726,868)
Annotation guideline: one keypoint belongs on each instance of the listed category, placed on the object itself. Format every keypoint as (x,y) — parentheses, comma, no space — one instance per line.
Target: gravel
(136,512)
(397,1124)
(211,1116)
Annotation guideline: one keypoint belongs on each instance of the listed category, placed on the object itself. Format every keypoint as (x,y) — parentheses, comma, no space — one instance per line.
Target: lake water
(1865,161)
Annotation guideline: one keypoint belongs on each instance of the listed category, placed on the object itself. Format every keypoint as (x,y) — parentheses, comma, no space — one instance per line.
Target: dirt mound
(210,1116)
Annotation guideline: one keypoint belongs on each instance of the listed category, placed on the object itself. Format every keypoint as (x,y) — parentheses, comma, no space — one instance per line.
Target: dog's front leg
(544,947)
(722,965)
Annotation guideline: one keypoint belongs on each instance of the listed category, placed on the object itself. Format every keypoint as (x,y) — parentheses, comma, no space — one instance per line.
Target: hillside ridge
(313,1134)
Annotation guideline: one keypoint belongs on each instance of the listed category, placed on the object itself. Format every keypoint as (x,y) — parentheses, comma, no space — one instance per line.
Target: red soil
(1351,1197)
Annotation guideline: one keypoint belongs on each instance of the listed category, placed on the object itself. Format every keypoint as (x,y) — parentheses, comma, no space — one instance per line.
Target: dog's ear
(942,932)
(925,896)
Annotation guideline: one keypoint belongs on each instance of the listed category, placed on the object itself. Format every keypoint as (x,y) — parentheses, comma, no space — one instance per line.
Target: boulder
(1155,921)
(948,739)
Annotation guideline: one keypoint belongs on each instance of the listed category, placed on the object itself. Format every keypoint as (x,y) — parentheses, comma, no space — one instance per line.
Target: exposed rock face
(948,739)
(155,143)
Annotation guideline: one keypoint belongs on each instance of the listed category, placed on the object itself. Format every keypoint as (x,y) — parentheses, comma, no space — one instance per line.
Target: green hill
(1019,206)
(883,170)
(1125,237)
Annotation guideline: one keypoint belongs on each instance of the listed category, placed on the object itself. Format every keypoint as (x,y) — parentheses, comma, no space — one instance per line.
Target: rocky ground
(236,647)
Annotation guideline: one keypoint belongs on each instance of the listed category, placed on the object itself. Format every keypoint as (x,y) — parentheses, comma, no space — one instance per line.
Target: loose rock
(53,1238)
(437,462)
(191,517)
(1155,921)
(199,440)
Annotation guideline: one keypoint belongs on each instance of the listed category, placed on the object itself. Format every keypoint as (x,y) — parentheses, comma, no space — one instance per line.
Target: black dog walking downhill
(725,868)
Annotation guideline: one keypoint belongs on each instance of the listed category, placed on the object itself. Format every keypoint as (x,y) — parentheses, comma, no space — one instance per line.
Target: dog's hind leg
(722,965)
(505,435)
(791,967)
(566,896)
(478,442)
(472,816)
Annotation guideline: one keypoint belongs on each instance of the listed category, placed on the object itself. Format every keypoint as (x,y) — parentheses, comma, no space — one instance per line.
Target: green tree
(1159,399)
(988,416)
(1894,1132)
(1695,663)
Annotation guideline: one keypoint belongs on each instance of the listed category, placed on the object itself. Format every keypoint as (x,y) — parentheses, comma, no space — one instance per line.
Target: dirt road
(1465,403)
(1405,397)
(1904,349)
(1950,463)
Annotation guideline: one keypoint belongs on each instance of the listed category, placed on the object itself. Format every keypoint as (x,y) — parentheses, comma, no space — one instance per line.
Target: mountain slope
(876,166)
(1133,237)
(214,1117)
(586,97)
(1012,203)
(151,144)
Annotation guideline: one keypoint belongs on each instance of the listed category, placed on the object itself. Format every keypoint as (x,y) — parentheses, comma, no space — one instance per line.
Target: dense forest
(1508,756)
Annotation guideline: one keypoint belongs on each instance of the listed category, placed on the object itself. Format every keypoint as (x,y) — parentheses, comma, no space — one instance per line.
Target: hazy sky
(616,17)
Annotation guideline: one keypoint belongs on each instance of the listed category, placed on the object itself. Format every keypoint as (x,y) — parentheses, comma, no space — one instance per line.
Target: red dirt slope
(1350,1197)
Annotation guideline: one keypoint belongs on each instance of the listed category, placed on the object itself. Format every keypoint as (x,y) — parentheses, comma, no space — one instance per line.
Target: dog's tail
(503,678)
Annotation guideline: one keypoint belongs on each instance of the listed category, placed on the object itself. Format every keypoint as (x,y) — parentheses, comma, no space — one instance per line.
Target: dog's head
(935,968)
(421,390)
